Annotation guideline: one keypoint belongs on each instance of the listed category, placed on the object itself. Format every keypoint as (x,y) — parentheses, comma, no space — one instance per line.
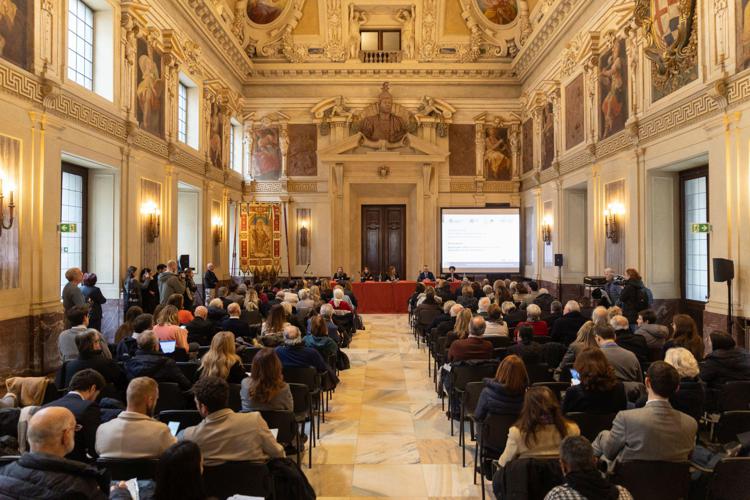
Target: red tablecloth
(385,297)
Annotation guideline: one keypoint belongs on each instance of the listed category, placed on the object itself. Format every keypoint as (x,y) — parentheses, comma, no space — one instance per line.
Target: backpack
(290,483)
(642,302)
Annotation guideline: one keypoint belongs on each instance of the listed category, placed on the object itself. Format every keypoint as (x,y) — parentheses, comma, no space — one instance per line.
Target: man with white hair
(483,305)
(305,302)
(326,311)
(626,339)
(45,472)
(234,324)
(613,289)
(448,326)
(294,353)
(566,328)
(600,316)
(200,329)
(472,347)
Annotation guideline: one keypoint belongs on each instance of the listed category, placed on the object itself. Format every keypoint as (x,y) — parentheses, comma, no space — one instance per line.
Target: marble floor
(385,435)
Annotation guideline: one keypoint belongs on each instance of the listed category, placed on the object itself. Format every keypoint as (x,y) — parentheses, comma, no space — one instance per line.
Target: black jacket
(445,294)
(216,317)
(531,353)
(200,330)
(209,279)
(634,343)
(95,299)
(578,399)
(496,399)
(446,326)
(544,301)
(126,348)
(89,416)
(351,296)
(514,317)
(633,299)
(468,302)
(725,365)
(157,366)
(40,476)
(108,368)
(238,327)
(566,328)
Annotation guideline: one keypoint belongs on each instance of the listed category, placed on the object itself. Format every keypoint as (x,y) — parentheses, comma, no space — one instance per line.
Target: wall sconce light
(11,206)
(303,234)
(610,220)
(151,212)
(547,230)
(218,225)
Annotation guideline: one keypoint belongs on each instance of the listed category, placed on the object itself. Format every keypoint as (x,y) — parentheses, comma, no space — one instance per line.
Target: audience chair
(654,480)
(558,388)
(735,395)
(203,349)
(247,355)
(539,372)
(286,424)
(528,478)
(492,437)
(255,330)
(186,418)
(726,482)
(498,342)
(310,377)
(463,374)
(591,424)
(122,469)
(731,424)
(189,369)
(468,405)
(170,397)
(542,339)
(238,478)
(235,400)
(303,412)
(423,320)
(51,393)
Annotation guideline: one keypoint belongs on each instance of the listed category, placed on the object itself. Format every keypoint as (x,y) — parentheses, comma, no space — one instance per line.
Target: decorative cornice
(438,73)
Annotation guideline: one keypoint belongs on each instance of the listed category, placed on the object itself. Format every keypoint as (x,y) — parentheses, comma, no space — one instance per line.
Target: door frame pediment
(350,150)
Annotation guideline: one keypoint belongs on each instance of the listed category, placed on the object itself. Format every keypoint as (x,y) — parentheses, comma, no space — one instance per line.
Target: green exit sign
(68,228)
(703,227)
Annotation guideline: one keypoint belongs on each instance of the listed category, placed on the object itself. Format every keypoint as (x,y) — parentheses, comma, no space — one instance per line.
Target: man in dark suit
(565,329)
(234,324)
(626,339)
(472,347)
(84,387)
(426,274)
(200,330)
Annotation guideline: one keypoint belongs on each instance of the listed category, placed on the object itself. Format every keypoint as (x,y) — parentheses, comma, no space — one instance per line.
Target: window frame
(183,109)
(684,177)
(73,72)
(380,38)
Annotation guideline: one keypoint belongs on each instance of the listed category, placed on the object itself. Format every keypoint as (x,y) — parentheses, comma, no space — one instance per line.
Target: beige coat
(546,444)
(133,435)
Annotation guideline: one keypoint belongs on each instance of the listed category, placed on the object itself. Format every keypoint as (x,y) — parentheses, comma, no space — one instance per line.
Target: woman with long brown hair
(221,360)
(685,334)
(599,390)
(539,429)
(168,328)
(265,389)
(503,395)
(275,322)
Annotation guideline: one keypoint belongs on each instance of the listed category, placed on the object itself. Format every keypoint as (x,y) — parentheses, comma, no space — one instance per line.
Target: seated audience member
(216,313)
(419,289)
(326,311)
(534,320)
(725,363)
(84,389)
(654,333)
(626,339)
(599,391)
(482,306)
(655,432)
(200,330)
(221,360)
(349,295)
(442,317)
(600,316)
(585,338)
(565,330)
(318,338)
(429,300)
(461,328)
(501,293)
(135,433)
(504,394)
(496,327)
(45,472)
(685,334)
(125,330)
(489,292)
(305,302)
(690,397)
(265,388)
(177,300)
(613,311)
(555,313)
(168,328)
(250,314)
(78,317)
(625,363)
(582,477)
(544,300)
(448,326)
(127,346)
(233,295)
(340,306)
(326,292)
(512,315)
(443,290)
(526,348)
(89,345)
(226,436)
(234,324)
(540,428)
(179,473)
(272,330)
(522,294)
(148,361)
(294,353)
(471,347)
(467,299)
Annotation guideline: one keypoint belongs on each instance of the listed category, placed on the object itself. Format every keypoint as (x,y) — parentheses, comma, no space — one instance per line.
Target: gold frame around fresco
(669,62)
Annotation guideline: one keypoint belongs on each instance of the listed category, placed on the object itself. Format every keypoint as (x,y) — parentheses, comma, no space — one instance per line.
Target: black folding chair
(189,369)
(303,412)
(122,469)
(725,482)
(247,355)
(310,377)
(238,478)
(591,424)
(542,339)
(286,425)
(735,396)
(170,397)
(539,372)
(492,438)
(468,405)
(557,388)
(423,320)
(498,342)
(732,423)
(654,480)
(462,375)
(186,418)
(235,399)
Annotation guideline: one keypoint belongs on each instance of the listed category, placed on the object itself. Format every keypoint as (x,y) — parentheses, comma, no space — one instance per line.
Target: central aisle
(385,434)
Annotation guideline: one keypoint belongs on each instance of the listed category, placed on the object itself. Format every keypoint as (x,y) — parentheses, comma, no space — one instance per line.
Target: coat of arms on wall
(671,31)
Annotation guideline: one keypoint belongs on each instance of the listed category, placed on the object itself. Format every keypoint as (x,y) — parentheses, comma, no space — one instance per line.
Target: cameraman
(613,286)
(170,282)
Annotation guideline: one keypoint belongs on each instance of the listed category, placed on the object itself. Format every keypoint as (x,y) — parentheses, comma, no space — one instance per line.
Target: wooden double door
(384,238)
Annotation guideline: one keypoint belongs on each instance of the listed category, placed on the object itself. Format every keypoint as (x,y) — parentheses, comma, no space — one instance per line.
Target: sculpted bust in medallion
(385,125)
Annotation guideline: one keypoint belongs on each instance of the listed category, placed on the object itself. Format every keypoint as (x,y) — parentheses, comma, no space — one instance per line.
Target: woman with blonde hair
(690,397)
(584,339)
(265,388)
(315,296)
(168,328)
(221,360)
(461,328)
(251,300)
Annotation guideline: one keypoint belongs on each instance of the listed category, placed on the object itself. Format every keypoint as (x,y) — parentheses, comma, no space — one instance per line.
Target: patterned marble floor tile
(331,480)
(388,481)
(384,448)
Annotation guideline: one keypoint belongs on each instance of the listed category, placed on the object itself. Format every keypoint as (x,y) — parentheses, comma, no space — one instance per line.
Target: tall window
(232,134)
(694,196)
(81,43)
(73,227)
(182,113)
(235,146)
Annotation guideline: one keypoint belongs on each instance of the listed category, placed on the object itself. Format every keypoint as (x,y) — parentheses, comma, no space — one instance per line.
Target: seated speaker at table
(366,275)
(426,274)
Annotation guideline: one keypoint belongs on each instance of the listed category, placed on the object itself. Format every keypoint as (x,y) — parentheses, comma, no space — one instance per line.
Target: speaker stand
(559,284)
(729,307)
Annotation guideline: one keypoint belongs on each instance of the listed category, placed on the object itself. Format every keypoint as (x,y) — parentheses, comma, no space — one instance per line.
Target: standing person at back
(634,297)
(209,282)
(655,432)
(170,282)
(71,294)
